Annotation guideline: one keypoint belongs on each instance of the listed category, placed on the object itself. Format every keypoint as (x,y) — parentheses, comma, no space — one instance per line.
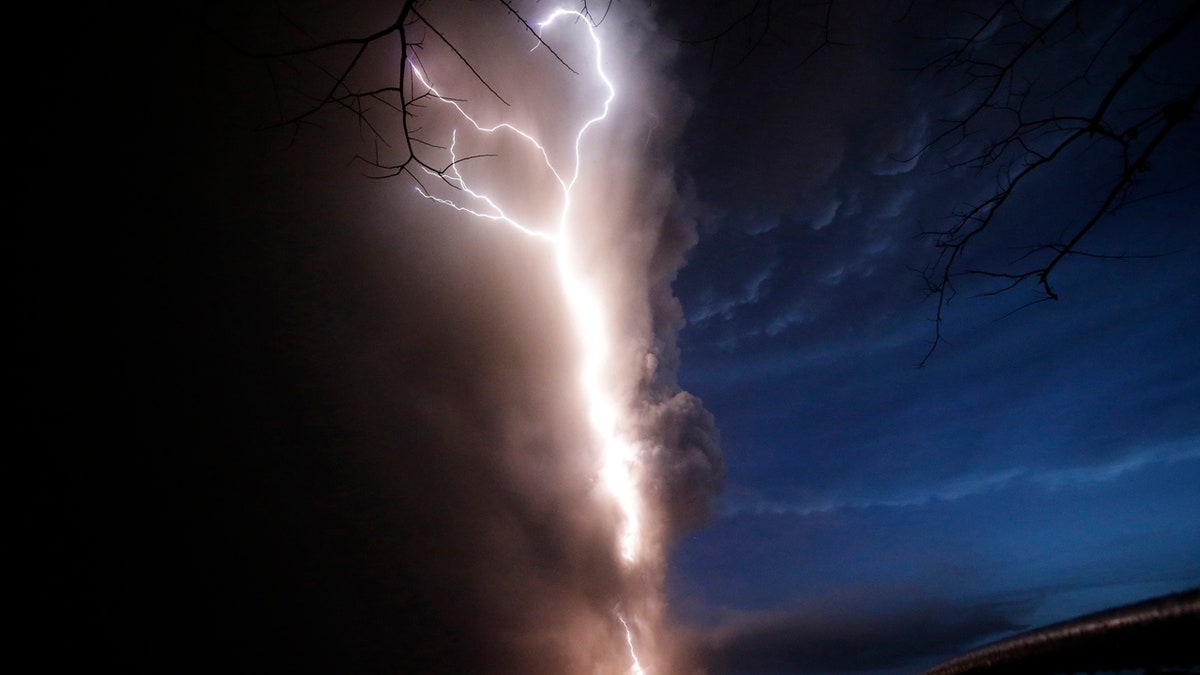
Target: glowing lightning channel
(586,307)
(636,668)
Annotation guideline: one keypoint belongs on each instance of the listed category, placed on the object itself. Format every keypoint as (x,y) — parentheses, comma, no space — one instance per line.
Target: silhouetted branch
(756,20)
(401,101)
(993,59)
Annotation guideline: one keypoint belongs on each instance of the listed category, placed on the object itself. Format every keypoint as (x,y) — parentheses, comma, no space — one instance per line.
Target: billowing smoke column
(573,162)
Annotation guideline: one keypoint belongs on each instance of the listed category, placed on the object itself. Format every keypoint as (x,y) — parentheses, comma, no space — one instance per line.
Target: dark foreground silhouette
(1161,634)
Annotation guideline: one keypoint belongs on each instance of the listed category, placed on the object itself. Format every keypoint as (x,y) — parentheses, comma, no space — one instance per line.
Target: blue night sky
(290,419)
(1042,464)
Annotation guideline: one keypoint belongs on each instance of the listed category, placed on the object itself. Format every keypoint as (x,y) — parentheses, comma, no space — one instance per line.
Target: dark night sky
(1041,465)
(271,403)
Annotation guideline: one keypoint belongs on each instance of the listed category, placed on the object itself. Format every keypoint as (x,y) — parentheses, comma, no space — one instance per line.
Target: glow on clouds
(611,419)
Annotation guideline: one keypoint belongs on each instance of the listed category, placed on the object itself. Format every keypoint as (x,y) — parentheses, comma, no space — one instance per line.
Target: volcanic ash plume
(569,181)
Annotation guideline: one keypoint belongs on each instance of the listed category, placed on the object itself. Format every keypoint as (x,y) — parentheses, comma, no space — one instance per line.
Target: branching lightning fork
(590,315)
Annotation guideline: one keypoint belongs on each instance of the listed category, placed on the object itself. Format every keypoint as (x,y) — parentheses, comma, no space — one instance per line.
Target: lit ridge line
(585,304)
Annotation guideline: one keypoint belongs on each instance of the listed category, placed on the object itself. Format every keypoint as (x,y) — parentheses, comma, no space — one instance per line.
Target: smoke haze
(350,434)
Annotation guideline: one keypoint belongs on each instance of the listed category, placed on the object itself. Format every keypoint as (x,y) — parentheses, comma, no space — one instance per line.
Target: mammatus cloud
(748,292)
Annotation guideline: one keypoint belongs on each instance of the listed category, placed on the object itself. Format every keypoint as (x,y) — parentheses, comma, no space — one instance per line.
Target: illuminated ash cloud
(686,466)
(608,221)
(357,440)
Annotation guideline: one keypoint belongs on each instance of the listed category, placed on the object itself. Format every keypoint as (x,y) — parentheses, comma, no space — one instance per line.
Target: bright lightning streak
(587,307)
(637,666)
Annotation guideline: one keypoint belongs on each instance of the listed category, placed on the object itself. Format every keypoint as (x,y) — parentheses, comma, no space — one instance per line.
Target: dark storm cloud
(781,132)
(823,156)
(792,285)
(836,639)
(812,185)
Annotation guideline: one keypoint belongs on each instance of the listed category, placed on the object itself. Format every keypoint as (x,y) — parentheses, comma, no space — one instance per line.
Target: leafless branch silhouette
(1029,123)
(407,152)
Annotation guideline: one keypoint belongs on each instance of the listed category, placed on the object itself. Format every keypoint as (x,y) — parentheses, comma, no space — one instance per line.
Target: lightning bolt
(636,668)
(620,466)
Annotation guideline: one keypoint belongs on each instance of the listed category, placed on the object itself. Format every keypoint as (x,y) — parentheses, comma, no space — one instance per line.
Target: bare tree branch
(757,21)
(1028,144)
(401,101)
